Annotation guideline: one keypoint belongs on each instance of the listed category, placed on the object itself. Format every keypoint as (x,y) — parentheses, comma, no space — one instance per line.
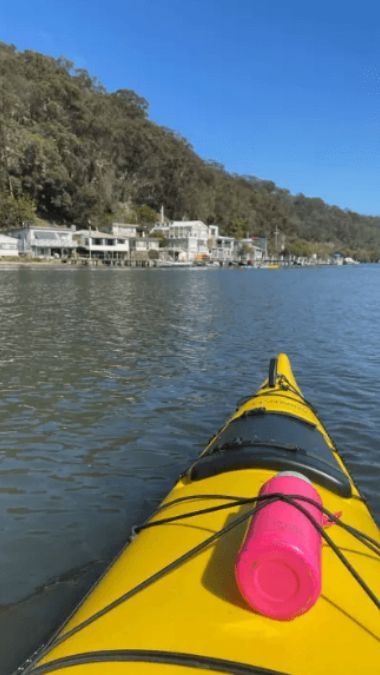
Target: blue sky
(287,90)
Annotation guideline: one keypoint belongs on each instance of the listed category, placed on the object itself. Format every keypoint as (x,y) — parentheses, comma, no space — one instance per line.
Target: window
(45,235)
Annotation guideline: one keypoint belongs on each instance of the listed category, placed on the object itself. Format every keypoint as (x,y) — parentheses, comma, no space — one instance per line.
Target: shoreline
(60,264)
(34,263)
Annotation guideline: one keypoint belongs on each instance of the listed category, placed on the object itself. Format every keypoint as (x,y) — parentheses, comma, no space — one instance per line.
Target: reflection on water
(112,380)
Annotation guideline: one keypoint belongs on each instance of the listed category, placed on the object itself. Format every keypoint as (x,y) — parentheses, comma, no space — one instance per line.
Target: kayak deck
(195,611)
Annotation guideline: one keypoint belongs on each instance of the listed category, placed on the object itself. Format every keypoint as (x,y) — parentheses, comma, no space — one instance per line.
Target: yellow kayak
(170,602)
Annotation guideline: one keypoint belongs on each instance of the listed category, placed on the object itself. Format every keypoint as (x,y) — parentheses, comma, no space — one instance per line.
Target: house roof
(43,227)
(126,225)
(184,223)
(6,239)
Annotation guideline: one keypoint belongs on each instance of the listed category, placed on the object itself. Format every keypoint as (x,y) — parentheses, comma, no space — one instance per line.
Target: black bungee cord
(368,541)
(260,502)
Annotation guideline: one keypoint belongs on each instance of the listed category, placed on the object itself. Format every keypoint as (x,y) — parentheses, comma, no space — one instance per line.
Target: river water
(111,381)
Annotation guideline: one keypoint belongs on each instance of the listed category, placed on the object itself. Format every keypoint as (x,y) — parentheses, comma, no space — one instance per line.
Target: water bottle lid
(294,474)
(281,583)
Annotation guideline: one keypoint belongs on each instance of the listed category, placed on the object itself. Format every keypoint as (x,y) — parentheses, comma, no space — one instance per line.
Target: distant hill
(71,152)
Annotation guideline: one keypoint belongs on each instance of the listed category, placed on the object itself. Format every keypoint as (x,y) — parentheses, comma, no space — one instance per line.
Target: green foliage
(76,153)
(146,216)
(14,211)
(301,248)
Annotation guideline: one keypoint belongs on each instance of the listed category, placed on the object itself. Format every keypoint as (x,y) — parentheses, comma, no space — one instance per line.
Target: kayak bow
(170,604)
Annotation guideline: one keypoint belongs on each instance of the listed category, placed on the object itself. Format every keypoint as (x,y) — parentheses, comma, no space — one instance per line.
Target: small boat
(270,266)
(177,599)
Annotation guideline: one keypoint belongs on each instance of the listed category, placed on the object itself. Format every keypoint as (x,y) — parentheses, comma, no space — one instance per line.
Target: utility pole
(276,233)
(89,239)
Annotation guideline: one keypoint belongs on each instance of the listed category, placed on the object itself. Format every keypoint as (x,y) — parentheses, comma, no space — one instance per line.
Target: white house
(188,239)
(188,228)
(223,249)
(45,242)
(101,245)
(8,245)
(249,250)
(145,244)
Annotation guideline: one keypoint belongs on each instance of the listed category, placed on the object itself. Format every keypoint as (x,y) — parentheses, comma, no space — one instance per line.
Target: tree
(131,102)
(16,211)
(146,216)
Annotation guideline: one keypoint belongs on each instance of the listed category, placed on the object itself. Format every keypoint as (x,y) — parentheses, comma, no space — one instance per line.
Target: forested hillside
(71,152)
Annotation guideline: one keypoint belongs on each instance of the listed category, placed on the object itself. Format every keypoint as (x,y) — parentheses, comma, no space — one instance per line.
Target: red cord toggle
(326,522)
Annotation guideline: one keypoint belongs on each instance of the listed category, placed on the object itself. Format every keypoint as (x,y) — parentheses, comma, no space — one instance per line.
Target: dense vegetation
(70,152)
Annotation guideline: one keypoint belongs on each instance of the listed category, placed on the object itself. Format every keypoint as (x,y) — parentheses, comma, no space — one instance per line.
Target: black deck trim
(273,459)
(275,441)
(155,656)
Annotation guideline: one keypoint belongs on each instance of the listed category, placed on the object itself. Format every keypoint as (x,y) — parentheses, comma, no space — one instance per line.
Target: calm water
(112,380)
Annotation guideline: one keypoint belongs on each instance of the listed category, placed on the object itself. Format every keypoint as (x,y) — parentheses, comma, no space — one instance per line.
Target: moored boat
(270,266)
(173,601)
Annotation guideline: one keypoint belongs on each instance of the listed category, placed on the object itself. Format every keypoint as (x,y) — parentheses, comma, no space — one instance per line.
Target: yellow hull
(193,617)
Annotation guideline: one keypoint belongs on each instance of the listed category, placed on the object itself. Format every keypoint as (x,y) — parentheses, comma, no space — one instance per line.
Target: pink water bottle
(278,569)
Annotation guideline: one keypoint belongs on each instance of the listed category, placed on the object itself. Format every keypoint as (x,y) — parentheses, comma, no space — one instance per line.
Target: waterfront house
(261,246)
(8,245)
(188,240)
(145,244)
(222,249)
(144,250)
(103,246)
(248,250)
(45,242)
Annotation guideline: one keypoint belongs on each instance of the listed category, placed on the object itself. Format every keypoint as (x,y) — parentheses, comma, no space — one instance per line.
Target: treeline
(71,152)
